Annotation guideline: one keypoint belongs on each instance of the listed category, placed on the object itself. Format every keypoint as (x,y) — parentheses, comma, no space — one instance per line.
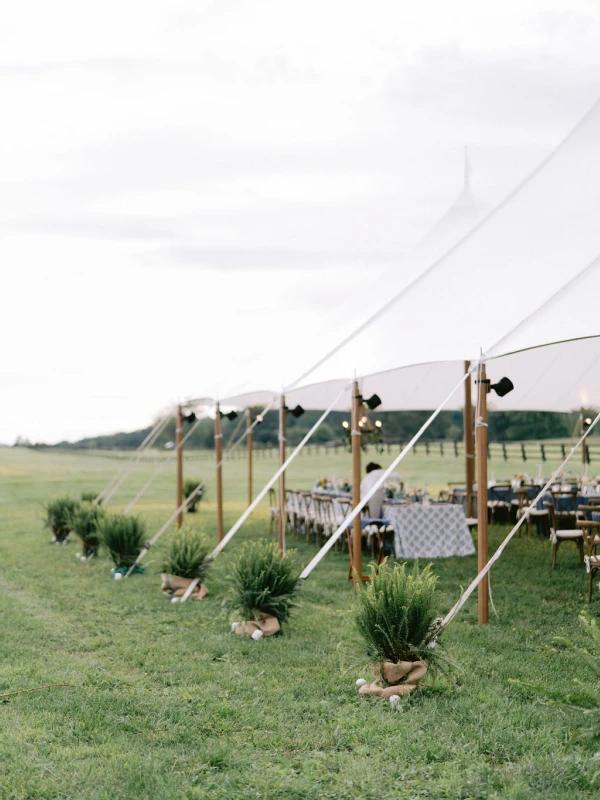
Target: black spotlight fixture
(373,402)
(297,412)
(191,417)
(586,423)
(231,415)
(504,386)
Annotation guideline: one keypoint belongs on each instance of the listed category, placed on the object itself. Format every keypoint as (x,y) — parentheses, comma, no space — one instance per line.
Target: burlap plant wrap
(267,624)
(174,586)
(400,678)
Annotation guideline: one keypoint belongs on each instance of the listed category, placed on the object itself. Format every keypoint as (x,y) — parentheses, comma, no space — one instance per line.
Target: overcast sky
(187,189)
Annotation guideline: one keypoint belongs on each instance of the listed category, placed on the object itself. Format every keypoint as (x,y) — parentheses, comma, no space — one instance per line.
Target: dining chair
(590,530)
(498,497)
(559,535)
(524,496)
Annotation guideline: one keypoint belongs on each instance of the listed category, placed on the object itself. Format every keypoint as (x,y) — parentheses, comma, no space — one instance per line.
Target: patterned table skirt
(434,531)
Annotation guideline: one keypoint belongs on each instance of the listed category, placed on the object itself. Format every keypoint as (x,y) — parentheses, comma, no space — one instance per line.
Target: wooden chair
(498,498)
(524,499)
(590,530)
(559,535)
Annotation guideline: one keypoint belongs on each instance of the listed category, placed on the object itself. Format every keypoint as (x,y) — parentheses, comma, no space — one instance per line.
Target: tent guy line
(481,575)
(190,497)
(383,477)
(231,533)
(162,466)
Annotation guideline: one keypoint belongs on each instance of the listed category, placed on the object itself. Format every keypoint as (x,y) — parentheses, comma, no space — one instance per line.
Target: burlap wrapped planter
(174,586)
(395,679)
(267,624)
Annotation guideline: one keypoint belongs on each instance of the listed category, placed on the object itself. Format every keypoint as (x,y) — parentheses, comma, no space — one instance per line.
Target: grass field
(164,702)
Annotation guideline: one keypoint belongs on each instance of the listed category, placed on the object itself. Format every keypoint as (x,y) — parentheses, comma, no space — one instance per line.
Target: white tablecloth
(433,531)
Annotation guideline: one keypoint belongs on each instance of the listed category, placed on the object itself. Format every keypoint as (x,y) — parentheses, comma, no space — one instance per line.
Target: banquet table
(437,530)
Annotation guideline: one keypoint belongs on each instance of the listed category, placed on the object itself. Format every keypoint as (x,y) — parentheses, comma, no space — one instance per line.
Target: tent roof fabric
(539,238)
(557,377)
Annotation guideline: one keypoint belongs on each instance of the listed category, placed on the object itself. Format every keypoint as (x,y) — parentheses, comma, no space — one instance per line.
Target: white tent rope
(364,500)
(442,258)
(190,497)
(231,533)
(558,293)
(135,460)
(162,466)
(473,585)
(124,467)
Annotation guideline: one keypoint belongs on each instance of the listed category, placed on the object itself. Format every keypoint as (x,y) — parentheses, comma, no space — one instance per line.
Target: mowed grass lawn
(165,702)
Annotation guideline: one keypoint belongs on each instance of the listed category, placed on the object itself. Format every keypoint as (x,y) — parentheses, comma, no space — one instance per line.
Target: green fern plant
(89,497)
(188,488)
(84,521)
(58,515)
(395,613)
(123,537)
(263,582)
(188,555)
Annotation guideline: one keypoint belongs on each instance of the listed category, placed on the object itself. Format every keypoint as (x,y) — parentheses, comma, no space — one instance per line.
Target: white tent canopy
(556,377)
(542,236)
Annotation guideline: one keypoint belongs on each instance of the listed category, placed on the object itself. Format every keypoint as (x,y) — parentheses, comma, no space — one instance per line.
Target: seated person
(374,472)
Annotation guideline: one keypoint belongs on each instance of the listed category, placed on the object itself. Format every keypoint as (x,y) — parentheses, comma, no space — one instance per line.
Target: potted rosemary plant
(395,615)
(189,486)
(185,565)
(124,538)
(58,514)
(263,589)
(83,522)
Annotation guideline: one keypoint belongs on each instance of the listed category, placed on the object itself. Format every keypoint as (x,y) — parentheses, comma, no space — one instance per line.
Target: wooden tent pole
(218,457)
(179,446)
(583,445)
(249,438)
(356,440)
(469,449)
(282,456)
(481,435)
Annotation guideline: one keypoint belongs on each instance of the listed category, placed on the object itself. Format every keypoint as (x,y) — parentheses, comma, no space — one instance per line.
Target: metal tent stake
(481,434)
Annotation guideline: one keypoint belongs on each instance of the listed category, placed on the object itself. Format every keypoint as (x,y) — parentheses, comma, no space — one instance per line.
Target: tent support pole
(281,516)
(249,438)
(481,434)
(179,446)
(356,527)
(469,449)
(219,458)
(583,446)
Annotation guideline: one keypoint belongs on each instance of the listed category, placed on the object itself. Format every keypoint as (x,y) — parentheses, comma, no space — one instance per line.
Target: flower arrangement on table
(343,485)
(520,479)
(323,485)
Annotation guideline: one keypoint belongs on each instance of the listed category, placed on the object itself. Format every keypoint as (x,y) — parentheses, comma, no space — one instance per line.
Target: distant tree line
(397,426)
